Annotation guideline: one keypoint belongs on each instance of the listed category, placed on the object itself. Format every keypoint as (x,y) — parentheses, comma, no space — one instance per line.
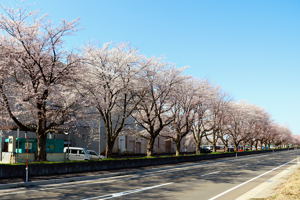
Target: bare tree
(36,92)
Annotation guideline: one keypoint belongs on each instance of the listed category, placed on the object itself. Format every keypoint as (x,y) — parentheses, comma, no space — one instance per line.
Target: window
(81,152)
(73,151)
(92,153)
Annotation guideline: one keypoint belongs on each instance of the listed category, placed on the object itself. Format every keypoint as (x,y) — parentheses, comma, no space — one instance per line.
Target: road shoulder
(267,188)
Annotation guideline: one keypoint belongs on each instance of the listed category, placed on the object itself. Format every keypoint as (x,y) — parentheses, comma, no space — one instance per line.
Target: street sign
(28,145)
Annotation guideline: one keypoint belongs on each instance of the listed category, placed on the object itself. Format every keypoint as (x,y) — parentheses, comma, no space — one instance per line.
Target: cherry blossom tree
(217,114)
(280,136)
(296,140)
(238,122)
(109,82)
(257,120)
(183,112)
(224,127)
(206,95)
(37,89)
(157,82)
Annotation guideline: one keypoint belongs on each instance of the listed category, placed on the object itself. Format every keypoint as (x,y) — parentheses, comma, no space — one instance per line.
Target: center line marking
(119,194)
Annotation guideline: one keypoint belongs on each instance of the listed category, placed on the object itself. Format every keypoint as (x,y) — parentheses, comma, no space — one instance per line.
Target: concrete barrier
(17,171)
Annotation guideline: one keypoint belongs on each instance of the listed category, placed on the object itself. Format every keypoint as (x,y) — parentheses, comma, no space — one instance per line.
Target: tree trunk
(150,146)
(109,146)
(251,145)
(198,147)
(259,144)
(256,145)
(236,145)
(41,127)
(41,146)
(225,143)
(178,148)
(214,142)
(108,150)
(214,147)
(226,149)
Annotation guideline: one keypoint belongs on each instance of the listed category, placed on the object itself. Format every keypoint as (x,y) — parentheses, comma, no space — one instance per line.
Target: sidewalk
(268,188)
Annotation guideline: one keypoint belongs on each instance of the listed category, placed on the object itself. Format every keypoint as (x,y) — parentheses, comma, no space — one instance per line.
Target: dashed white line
(211,173)
(119,194)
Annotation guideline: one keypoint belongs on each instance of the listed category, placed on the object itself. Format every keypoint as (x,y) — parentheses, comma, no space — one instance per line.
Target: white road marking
(84,182)
(119,194)
(15,191)
(211,173)
(244,183)
(10,193)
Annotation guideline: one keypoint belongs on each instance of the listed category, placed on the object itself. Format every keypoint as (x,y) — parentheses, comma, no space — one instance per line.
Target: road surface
(226,179)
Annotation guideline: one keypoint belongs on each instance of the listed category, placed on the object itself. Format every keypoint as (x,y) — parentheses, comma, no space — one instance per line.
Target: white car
(76,153)
(79,153)
(94,155)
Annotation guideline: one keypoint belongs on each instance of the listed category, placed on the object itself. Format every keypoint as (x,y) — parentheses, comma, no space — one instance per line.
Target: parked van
(78,153)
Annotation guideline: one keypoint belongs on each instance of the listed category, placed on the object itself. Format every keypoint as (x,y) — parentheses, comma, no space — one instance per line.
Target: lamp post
(68,150)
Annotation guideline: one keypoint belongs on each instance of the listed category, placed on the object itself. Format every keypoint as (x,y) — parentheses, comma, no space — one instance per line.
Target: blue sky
(250,48)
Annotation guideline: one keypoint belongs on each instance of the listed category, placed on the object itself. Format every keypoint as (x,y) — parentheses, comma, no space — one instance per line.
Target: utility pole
(18,144)
(100,138)
(27,166)
(1,134)
(68,150)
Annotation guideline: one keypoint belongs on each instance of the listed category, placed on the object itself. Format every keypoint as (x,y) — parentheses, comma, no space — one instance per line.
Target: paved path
(208,180)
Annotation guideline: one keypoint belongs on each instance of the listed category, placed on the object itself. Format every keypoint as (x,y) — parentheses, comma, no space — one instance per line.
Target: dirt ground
(290,190)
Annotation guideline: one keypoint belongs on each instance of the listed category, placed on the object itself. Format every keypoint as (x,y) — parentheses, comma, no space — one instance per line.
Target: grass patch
(290,190)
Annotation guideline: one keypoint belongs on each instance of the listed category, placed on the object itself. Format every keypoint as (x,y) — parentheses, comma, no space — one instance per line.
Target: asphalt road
(208,180)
